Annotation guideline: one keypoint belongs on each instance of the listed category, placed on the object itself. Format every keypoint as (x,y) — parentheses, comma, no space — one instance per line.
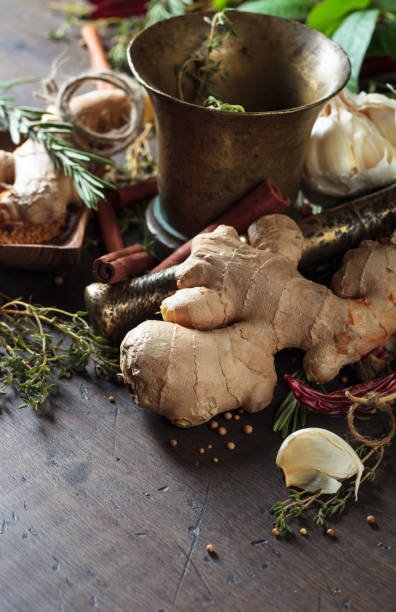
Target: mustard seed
(213,425)
(215,460)
(247,429)
(371,519)
(173,443)
(227,415)
(222,431)
(236,417)
(201,450)
(230,445)
(330,532)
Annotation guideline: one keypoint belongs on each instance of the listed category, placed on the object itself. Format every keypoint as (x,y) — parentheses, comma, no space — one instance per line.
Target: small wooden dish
(61,252)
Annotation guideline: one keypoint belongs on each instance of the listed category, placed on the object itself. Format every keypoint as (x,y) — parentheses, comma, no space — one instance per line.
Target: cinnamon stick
(97,53)
(132,194)
(264,199)
(119,265)
(109,228)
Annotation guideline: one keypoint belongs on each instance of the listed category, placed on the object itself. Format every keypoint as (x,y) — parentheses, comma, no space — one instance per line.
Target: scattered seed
(107,378)
(58,280)
(330,532)
(210,549)
(236,417)
(247,429)
(213,425)
(241,410)
(371,519)
(210,446)
(222,431)
(201,450)
(344,380)
(276,532)
(68,375)
(215,460)
(230,445)
(303,531)
(173,443)
(227,415)
(111,399)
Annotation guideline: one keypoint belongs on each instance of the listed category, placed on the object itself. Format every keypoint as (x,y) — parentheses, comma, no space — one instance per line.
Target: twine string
(376,402)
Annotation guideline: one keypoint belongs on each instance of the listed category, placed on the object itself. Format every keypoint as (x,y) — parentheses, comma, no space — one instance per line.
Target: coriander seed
(201,450)
(247,429)
(173,443)
(230,445)
(215,460)
(213,425)
(222,431)
(227,416)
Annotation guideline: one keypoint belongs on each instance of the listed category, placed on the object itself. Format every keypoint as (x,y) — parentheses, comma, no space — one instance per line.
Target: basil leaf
(291,9)
(384,39)
(354,36)
(326,16)
(387,5)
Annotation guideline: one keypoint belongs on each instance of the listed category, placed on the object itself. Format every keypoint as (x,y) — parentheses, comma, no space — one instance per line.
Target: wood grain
(97,511)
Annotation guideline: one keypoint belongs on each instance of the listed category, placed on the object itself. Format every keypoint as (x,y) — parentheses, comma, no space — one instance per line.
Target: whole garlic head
(352,148)
(315,459)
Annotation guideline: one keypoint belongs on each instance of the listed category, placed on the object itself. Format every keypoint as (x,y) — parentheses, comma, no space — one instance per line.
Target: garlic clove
(317,459)
(352,148)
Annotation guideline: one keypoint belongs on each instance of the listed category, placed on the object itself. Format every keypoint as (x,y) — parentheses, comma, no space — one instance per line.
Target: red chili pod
(336,404)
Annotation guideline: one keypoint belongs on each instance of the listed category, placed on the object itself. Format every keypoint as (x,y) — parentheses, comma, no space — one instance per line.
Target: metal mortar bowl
(281,71)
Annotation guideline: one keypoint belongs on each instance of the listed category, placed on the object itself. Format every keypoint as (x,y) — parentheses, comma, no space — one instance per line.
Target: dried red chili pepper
(336,404)
(117,8)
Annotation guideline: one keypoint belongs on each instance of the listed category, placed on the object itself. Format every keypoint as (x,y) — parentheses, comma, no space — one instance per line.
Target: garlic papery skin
(352,148)
(315,459)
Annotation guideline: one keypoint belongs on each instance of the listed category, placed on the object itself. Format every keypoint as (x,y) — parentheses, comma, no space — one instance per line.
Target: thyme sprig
(39,345)
(25,121)
(202,68)
(298,502)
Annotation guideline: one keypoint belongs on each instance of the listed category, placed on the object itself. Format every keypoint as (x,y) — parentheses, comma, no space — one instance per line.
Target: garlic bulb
(352,148)
(315,459)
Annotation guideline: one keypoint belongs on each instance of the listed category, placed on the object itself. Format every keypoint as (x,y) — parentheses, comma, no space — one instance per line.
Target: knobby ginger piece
(238,305)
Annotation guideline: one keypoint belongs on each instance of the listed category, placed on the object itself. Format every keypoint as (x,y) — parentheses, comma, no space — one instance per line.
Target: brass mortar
(281,71)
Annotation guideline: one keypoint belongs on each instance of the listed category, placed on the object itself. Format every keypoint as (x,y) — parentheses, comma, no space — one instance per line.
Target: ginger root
(238,305)
(32,189)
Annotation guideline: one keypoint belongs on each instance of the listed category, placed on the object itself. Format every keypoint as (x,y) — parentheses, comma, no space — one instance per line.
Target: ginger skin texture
(237,305)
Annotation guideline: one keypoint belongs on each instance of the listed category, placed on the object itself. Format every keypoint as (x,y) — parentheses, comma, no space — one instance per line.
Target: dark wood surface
(96,509)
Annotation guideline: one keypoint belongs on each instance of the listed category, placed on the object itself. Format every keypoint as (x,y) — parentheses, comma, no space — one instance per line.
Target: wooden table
(98,511)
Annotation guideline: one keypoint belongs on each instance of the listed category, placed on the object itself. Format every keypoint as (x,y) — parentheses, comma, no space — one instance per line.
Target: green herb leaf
(290,9)
(354,35)
(383,41)
(326,15)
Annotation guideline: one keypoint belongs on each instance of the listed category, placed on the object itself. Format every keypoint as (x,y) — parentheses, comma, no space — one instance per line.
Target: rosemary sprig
(201,68)
(299,502)
(40,344)
(23,121)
